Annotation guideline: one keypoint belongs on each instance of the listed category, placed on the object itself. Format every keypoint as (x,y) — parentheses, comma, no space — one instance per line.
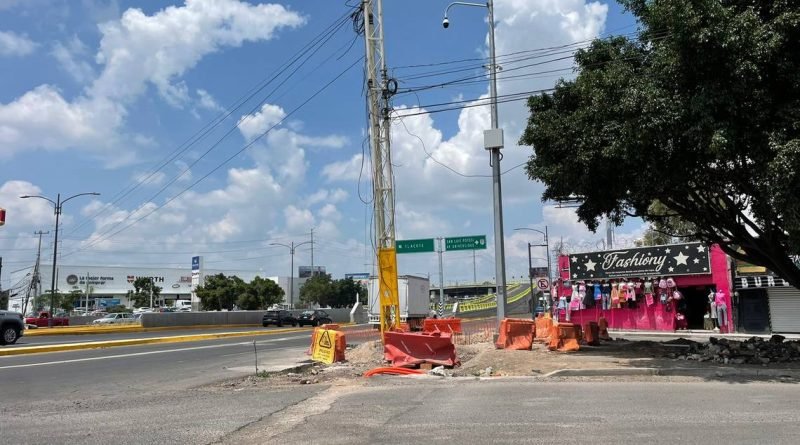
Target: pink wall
(721,276)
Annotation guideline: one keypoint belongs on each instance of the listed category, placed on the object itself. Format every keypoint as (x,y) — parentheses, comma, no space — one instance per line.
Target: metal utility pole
(292,246)
(380,89)
(609,235)
(546,245)
(493,141)
(87,294)
(151,293)
(35,277)
(312,251)
(57,204)
(474,268)
(440,310)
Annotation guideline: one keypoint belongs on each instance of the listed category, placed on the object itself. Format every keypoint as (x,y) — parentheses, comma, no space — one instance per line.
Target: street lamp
(493,141)
(57,204)
(546,245)
(292,246)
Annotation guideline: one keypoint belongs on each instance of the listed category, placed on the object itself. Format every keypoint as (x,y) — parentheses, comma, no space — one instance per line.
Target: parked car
(43,320)
(140,310)
(11,327)
(278,318)
(313,318)
(183,305)
(118,318)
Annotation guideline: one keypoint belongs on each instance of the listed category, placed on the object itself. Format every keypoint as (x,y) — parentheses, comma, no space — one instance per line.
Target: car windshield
(308,313)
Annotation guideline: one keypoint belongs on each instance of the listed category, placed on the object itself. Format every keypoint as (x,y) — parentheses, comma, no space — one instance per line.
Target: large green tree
(324,291)
(700,112)
(142,288)
(260,294)
(220,292)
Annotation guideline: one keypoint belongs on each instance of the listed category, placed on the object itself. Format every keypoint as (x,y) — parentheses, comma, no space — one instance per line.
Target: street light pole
(57,204)
(493,141)
(292,246)
(546,245)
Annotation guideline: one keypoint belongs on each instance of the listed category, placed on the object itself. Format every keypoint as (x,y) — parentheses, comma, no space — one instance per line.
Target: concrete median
(141,341)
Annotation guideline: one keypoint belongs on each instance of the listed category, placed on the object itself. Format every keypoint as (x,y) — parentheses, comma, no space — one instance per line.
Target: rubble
(754,350)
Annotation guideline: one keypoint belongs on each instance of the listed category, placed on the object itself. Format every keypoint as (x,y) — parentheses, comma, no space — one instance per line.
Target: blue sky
(97,95)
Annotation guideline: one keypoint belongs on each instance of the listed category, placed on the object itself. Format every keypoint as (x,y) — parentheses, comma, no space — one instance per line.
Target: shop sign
(669,260)
(759,281)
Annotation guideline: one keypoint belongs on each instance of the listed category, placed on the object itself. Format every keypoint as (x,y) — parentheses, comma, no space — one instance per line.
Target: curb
(139,341)
(675,372)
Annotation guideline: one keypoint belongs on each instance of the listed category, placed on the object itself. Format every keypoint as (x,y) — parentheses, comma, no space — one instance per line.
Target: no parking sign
(543,284)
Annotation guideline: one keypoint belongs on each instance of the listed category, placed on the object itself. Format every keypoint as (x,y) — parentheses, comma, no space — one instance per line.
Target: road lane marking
(136,354)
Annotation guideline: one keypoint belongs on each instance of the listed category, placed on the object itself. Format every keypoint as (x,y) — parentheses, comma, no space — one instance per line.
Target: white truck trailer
(415,300)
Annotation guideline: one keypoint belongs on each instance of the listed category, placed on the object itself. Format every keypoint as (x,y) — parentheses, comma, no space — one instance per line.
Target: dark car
(11,327)
(313,318)
(278,318)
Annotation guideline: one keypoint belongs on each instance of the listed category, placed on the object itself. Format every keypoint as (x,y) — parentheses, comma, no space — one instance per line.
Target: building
(109,285)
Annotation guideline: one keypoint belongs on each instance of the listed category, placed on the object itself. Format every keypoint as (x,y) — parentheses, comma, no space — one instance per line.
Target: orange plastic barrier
(449,325)
(543,326)
(412,348)
(393,370)
(591,333)
(516,333)
(331,326)
(565,337)
(602,323)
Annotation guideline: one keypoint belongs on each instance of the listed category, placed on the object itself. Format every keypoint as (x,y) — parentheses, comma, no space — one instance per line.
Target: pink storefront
(658,288)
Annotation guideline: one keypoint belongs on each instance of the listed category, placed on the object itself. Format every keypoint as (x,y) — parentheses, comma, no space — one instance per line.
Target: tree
(260,294)
(700,113)
(667,229)
(345,291)
(140,296)
(318,289)
(220,292)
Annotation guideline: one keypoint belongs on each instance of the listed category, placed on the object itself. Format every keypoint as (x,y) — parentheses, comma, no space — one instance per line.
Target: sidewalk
(694,333)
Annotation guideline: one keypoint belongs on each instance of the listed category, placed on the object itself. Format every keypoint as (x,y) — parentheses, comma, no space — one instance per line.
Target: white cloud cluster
(135,51)
(12,44)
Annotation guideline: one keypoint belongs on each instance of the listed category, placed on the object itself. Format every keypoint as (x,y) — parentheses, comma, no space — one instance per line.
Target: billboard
(306,271)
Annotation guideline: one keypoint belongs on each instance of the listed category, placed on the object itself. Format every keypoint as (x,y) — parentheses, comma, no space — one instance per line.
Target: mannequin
(606,295)
(712,307)
(648,292)
(614,295)
(722,309)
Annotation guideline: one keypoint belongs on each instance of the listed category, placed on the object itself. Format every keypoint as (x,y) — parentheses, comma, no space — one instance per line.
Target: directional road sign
(465,243)
(415,245)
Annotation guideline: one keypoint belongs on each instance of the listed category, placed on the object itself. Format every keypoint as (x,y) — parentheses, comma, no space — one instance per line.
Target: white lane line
(135,354)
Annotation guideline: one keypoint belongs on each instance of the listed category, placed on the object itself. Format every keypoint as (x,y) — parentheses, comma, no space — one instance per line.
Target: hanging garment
(606,296)
(582,295)
(648,298)
(614,295)
(648,287)
(631,293)
(677,295)
(662,284)
(597,292)
(671,283)
(722,314)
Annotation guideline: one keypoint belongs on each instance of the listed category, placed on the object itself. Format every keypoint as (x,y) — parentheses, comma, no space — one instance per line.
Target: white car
(141,310)
(115,319)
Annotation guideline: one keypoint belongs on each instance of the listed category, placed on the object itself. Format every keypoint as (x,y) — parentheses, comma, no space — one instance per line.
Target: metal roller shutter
(784,309)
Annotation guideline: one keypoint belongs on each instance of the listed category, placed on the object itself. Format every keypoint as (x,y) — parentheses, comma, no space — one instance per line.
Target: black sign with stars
(674,259)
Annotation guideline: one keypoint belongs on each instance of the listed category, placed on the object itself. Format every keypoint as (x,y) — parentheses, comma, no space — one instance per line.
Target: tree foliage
(324,291)
(140,295)
(701,113)
(223,292)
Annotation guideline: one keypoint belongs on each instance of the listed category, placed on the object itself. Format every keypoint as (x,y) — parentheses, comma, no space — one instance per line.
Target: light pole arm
(533,230)
(79,194)
(40,197)
(480,5)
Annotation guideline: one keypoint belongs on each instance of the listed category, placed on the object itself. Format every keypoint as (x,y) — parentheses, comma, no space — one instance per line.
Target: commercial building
(109,285)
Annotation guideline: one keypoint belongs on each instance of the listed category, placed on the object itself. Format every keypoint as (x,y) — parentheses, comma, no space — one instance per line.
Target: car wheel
(265,324)
(294,324)
(10,335)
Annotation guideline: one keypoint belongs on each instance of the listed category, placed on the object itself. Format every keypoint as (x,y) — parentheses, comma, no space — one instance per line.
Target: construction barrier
(543,326)
(591,333)
(565,337)
(327,345)
(449,325)
(413,348)
(516,333)
(602,323)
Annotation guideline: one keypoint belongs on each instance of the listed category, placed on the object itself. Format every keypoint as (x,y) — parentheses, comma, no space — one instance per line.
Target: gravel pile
(754,350)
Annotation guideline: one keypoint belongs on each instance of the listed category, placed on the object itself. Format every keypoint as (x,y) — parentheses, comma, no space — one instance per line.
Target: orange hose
(392,370)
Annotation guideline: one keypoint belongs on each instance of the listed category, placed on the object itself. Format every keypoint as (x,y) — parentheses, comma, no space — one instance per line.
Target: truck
(11,327)
(415,300)
(43,320)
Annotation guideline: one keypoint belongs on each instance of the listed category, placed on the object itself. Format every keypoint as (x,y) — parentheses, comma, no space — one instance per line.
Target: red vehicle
(43,320)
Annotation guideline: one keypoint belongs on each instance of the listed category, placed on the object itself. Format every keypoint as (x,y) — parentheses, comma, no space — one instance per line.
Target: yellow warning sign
(324,349)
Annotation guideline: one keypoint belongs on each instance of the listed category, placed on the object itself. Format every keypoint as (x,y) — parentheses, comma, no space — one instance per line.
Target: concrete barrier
(82,320)
(241,318)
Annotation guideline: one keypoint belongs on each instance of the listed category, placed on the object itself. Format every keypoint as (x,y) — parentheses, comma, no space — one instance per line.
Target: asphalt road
(519,411)
(86,338)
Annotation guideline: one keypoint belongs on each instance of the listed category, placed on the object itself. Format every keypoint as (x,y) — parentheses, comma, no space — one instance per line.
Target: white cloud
(12,44)
(71,56)
(206,101)
(328,196)
(135,51)
(150,178)
(346,170)
(254,125)
(297,217)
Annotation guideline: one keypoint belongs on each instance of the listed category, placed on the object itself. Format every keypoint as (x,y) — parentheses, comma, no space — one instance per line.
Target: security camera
(445,23)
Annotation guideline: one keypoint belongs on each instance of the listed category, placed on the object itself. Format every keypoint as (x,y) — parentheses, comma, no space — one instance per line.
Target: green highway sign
(465,243)
(415,245)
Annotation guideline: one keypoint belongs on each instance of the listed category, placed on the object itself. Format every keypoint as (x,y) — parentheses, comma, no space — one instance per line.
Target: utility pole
(87,294)
(292,246)
(312,251)
(440,310)
(35,277)
(474,268)
(380,89)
